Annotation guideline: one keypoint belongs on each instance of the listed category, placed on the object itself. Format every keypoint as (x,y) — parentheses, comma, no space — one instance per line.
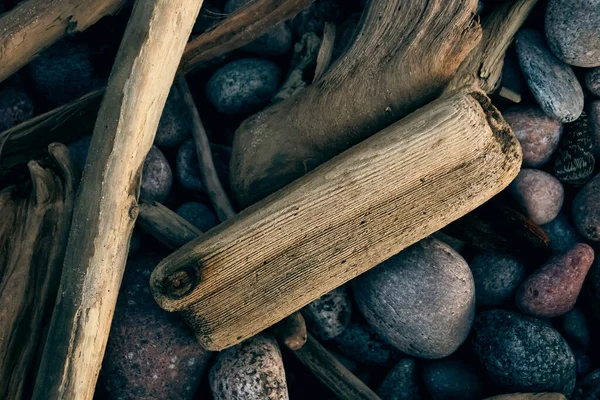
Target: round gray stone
(361,343)
(592,81)
(562,234)
(497,277)
(539,194)
(199,215)
(157,177)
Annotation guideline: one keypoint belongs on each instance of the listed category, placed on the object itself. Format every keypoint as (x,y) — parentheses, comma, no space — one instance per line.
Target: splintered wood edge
(508,160)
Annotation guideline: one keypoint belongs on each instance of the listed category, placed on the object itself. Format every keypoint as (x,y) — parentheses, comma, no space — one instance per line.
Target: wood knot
(134,210)
(180,283)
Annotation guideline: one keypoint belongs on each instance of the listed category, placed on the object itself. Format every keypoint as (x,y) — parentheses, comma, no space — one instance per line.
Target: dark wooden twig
(165,225)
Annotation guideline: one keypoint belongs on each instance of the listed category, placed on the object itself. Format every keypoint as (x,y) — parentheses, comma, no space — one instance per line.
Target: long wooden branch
(34,25)
(106,206)
(29,139)
(165,225)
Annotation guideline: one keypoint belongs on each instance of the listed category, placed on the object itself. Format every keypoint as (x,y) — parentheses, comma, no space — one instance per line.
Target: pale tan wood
(165,225)
(343,383)
(529,396)
(483,67)
(355,211)
(33,25)
(106,205)
(509,94)
(326,50)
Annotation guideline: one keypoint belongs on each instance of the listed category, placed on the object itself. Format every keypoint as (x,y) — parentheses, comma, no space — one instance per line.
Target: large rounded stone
(401,383)
(574,328)
(552,82)
(329,315)
(175,123)
(497,277)
(539,194)
(586,213)
(157,177)
(522,354)
(251,370)
(150,354)
(538,133)
(572,29)
(589,387)
(361,343)
(421,301)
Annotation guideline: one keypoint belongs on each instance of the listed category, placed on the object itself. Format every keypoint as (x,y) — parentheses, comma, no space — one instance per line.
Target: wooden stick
(208,173)
(332,373)
(291,331)
(29,139)
(326,50)
(34,25)
(165,225)
(357,210)
(106,206)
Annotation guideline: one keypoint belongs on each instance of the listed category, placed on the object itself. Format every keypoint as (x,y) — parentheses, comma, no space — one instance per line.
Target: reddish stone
(553,289)
(539,194)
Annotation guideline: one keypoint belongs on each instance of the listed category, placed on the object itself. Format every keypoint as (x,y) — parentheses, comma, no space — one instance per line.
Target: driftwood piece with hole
(106,205)
(347,216)
(36,218)
(29,139)
(404,54)
(33,25)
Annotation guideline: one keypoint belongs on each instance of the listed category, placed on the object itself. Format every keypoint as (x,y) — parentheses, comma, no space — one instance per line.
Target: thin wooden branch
(29,139)
(33,25)
(106,206)
(208,173)
(483,67)
(326,50)
(343,383)
(340,220)
(165,225)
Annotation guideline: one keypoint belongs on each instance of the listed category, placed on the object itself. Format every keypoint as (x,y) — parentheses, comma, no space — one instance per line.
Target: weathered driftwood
(165,225)
(326,50)
(29,139)
(529,396)
(33,25)
(36,218)
(359,209)
(404,55)
(332,373)
(106,206)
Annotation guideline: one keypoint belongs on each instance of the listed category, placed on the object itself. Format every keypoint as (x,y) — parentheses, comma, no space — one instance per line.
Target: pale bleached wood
(33,25)
(326,50)
(165,225)
(106,205)
(529,396)
(355,211)
(343,383)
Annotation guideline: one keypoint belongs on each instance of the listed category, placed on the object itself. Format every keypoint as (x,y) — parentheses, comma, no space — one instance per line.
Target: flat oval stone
(592,81)
(521,354)
(539,194)
(174,126)
(538,133)
(452,379)
(401,383)
(199,215)
(421,301)
(252,369)
(360,342)
(562,234)
(572,28)
(157,177)
(497,277)
(243,86)
(553,289)
(330,314)
(552,82)
(150,354)
(586,213)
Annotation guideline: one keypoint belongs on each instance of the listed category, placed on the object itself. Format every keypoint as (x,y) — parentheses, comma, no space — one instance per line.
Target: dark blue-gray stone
(401,383)
(497,277)
(198,215)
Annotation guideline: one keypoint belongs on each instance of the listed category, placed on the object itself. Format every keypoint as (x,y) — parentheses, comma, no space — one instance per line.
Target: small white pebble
(130,355)
(191,361)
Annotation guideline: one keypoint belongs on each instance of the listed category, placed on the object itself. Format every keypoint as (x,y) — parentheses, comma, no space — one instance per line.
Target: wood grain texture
(165,225)
(343,383)
(33,25)
(106,205)
(76,119)
(355,211)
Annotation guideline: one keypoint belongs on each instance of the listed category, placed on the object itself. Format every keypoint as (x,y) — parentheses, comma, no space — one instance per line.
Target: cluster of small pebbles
(441,319)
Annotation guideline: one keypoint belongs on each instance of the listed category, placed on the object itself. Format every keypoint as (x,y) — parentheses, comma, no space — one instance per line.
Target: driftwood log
(106,206)
(33,25)
(355,211)
(29,139)
(36,218)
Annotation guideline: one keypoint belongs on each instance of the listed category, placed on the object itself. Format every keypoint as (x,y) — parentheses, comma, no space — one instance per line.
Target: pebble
(63,72)
(15,107)
(562,234)
(497,277)
(188,170)
(588,388)
(586,213)
(243,86)
(401,383)
(552,82)
(553,289)
(360,342)
(594,121)
(174,126)
(572,30)
(539,194)
(592,81)
(521,354)
(150,354)
(574,161)
(421,301)
(538,133)
(277,41)
(452,379)
(574,328)
(252,369)
(198,215)
(157,177)
(329,315)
